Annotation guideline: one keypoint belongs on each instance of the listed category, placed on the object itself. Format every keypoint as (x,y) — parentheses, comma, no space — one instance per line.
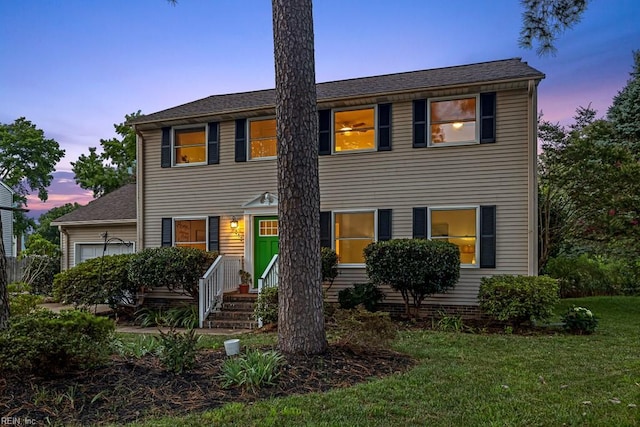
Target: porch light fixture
(234,224)
(457,125)
(235,227)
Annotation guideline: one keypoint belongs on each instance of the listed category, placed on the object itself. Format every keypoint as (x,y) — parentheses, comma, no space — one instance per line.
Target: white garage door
(85,251)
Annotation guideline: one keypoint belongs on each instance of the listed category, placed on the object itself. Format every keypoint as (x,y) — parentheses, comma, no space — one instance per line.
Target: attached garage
(82,231)
(85,251)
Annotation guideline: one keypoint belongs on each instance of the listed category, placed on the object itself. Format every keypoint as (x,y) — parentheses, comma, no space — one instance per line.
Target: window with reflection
(353,232)
(457,226)
(262,139)
(191,233)
(189,145)
(354,130)
(453,121)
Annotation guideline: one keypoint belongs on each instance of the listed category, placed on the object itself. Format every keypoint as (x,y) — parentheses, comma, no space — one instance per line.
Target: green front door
(265,244)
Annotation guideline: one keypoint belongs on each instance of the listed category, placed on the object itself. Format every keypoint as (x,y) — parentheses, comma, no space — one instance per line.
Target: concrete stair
(236,313)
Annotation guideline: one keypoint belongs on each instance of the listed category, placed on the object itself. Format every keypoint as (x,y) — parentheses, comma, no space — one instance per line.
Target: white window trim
(191,218)
(248,133)
(452,98)
(173,146)
(375,129)
(457,207)
(333,232)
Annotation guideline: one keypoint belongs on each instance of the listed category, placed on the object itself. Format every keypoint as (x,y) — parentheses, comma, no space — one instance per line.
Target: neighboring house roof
(117,206)
(502,70)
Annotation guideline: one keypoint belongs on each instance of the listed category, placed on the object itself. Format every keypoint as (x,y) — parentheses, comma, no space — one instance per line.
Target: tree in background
(27,161)
(590,177)
(114,167)
(44,228)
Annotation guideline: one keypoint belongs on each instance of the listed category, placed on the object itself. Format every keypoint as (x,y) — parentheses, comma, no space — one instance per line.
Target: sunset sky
(76,67)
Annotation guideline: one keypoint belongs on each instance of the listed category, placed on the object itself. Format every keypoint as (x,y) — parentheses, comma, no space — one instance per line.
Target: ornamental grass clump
(579,321)
(252,370)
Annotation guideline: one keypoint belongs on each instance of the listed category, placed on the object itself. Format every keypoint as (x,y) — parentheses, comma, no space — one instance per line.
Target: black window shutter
(165,153)
(213,150)
(384,127)
(241,140)
(488,236)
(325,229)
(324,132)
(167,232)
(419,123)
(384,224)
(214,233)
(419,223)
(487,118)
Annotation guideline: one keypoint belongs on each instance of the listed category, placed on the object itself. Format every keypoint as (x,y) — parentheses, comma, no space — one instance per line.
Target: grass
(479,380)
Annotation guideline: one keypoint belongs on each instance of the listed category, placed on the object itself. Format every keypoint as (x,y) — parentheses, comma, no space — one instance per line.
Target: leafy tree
(39,245)
(27,160)
(44,228)
(594,167)
(114,167)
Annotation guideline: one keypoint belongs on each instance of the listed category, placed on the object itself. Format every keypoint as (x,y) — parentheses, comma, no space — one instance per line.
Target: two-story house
(6,216)
(446,153)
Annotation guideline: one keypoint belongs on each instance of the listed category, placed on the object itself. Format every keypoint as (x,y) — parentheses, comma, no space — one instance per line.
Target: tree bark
(301,314)
(4,297)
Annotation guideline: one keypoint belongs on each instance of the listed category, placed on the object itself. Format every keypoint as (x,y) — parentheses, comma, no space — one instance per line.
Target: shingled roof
(502,70)
(119,205)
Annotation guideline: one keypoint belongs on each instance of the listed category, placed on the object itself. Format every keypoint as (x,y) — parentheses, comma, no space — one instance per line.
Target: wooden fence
(15,268)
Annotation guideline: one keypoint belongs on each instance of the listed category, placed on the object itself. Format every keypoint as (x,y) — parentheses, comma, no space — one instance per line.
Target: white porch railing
(210,289)
(221,277)
(269,278)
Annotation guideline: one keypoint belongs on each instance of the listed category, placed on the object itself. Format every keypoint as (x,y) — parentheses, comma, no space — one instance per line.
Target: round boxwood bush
(96,281)
(416,268)
(518,299)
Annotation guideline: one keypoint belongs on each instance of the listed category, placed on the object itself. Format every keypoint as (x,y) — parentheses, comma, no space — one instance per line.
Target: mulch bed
(133,389)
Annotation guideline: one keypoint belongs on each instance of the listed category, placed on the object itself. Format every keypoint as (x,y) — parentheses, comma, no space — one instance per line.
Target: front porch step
(236,313)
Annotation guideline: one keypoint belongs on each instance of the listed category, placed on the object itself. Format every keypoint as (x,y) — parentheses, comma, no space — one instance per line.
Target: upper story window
(190,145)
(458,226)
(354,130)
(262,139)
(191,233)
(453,121)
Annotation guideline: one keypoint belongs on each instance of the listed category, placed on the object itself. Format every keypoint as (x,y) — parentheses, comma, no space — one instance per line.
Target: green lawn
(480,380)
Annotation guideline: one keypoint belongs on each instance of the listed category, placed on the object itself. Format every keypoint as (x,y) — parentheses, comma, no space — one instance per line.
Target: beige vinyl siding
(91,234)
(401,179)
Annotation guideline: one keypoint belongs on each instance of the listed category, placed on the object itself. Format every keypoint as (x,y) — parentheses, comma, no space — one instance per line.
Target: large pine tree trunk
(301,315)
(4,297)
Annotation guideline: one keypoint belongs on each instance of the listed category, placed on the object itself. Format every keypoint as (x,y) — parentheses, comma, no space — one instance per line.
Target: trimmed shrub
(367,294)
(416,268)
(103,280)
(23,304)
(579,321)
(176,268)
(361,330)
(266,306)
(518,299)
(44,342)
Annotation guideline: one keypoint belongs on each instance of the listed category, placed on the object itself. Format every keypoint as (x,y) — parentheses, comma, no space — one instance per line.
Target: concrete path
(104,309)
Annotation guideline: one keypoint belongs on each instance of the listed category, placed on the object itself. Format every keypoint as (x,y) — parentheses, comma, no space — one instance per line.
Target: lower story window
(191,233)
(353,232)
(457,226)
